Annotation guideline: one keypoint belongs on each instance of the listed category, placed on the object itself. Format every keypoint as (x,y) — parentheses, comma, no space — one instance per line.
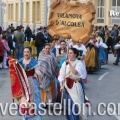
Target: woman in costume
(31,68)
(61,52)
(70,74)
(57,44)
(48,73)
(26,76)
(102,47)
(92,55)
(60,57)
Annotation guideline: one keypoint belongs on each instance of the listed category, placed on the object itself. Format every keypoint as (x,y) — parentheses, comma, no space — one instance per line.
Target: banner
(71,20)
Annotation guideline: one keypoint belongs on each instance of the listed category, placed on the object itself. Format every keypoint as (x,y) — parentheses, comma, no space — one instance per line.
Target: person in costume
(48,73)
(31,68)
(57,44)
(82,53)
(92,55)
(52,45)
(25,73)
(69,77)
(60,57)
(71,44)
(61,52)
(102,47)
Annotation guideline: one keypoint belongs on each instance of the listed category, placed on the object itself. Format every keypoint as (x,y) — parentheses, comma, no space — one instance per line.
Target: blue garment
(37,98)
(114,32)
(69,107)
(102,55)
(32,64)
(19,52)
(37,101)
(54,51)
(62,61)
(82,83)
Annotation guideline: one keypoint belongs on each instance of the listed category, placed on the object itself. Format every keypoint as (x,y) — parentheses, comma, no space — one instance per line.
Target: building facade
(31,13)
(34,13)
(107,12)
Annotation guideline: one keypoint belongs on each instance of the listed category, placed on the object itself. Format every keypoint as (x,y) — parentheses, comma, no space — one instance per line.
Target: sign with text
(71,20)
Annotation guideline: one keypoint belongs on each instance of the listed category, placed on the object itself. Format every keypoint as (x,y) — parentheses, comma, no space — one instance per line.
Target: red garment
(1,49)
(19,86)
(15,80)
(5,45)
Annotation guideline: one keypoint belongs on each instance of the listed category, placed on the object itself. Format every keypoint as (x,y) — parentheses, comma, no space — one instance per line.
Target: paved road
(105,90)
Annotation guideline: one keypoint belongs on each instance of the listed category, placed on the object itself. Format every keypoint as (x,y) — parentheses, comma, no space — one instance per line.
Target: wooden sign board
(71,20)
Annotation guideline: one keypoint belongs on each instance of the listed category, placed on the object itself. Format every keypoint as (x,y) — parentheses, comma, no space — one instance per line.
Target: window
(100,11)
(36,11)
(16,12)
(115,7)
(23,8)
(10,12)
(33,12)
(115,2)
(27,11)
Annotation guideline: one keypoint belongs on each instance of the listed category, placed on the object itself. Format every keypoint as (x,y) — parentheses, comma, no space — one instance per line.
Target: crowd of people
(58,65)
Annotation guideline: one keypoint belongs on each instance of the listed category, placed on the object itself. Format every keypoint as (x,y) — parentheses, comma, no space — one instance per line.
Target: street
(102,87)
